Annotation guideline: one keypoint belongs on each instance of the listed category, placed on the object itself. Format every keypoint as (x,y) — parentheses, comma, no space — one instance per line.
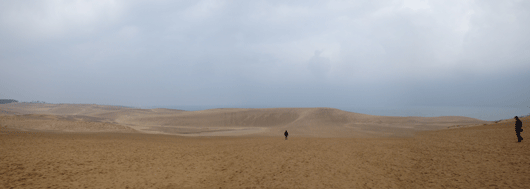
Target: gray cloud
(238,53)
(319,65)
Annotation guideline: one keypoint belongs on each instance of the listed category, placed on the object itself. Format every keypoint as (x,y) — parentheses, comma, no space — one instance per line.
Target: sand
(301,122)
(483,156)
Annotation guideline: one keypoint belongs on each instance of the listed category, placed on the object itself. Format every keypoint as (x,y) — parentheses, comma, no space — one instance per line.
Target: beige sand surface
(93,146)
(301,122)
(473,157)
(42,122)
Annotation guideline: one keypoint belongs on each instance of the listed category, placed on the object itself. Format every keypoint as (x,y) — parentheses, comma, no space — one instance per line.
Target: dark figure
(286,134)
(518,128)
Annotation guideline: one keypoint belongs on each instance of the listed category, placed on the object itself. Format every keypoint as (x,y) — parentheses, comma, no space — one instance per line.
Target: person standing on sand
(286,134)
(518,128)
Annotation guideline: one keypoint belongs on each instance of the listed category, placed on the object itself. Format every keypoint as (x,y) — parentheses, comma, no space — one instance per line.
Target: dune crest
(307,122)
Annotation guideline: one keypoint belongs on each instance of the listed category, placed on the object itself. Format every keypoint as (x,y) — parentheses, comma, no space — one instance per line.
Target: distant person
(518,128)
(286,134)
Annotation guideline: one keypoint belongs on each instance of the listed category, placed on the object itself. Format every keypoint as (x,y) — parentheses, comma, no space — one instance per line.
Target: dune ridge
(307,122)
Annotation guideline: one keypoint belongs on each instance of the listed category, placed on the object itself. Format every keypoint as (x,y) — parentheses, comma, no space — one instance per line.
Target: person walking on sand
(286,134)
(518,128)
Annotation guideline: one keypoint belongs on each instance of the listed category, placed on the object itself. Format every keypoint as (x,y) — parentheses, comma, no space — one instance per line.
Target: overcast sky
(267,53)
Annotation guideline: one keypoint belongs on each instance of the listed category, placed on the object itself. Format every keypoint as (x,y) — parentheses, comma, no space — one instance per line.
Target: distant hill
(308,122)
(7,101)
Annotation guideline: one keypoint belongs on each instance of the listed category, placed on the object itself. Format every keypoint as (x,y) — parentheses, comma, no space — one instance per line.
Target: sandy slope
(307,122)
(51,123)
(472,157)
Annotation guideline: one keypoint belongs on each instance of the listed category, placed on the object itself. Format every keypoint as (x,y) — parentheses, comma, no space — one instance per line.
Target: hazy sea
(483,113)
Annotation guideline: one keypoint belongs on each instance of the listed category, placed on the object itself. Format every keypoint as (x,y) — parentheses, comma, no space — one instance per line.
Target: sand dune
(51,123)
(93,146)
(472,157)
(308,122)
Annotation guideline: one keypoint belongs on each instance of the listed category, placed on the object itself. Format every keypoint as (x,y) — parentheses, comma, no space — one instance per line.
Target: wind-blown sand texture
(300,122)
(485,156)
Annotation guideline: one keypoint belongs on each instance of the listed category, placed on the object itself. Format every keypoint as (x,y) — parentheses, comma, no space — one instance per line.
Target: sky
(335,54)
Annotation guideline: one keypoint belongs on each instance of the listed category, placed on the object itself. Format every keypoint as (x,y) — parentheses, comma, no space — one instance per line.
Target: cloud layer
(273,53)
